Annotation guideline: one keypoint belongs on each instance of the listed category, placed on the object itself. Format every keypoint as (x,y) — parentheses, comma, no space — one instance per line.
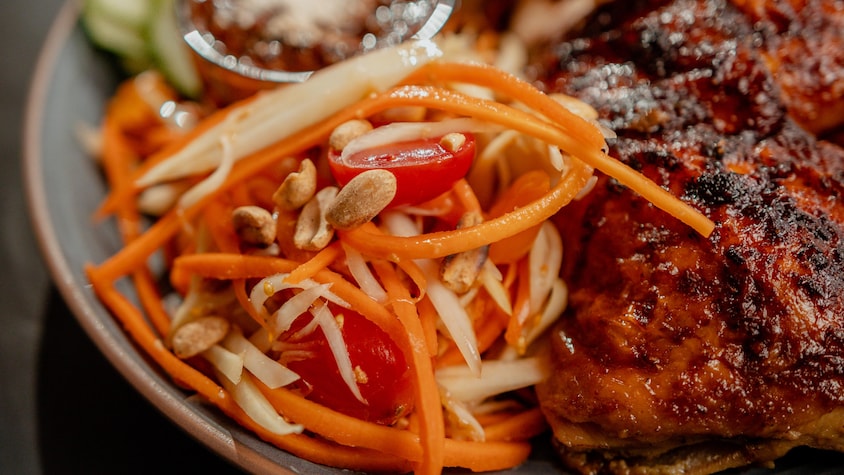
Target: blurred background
(63,408)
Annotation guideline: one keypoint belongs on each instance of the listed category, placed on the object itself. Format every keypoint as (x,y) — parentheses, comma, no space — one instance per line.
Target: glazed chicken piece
(803,48)
(685,354)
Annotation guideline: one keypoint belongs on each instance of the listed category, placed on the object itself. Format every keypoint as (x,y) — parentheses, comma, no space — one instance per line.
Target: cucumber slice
(132,14)
(113,37)
(143,34)
(118,30)
(169,52)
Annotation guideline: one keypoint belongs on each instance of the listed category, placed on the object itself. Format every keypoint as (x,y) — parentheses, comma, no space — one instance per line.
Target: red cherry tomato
(424,169)
(387,385)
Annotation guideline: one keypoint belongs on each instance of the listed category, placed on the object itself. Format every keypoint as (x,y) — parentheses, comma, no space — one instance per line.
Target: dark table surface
(63,408)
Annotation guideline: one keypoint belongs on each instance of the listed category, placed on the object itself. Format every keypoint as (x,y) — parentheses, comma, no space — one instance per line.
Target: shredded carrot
(521,307)
(412,270)
(136,252)
(180,281)
(461,104)
(428,319)
(261,190)
(317,263)
(443,243)
(333,455)
(583,140)
(485,110)
(466,196)
(224,266)
(490,455)
(444,206)
(118,160)
(404,444)
(118,196)
(522,426)
(216,217)
(300,445)
(228,266)
(528,187)
(135,142)
(150,299)
(428,408)
(341,428)
(325,452)
(137,327)
(505,83)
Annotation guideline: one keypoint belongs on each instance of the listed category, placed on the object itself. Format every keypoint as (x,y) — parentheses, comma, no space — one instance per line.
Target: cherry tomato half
(424,169)
(386,382)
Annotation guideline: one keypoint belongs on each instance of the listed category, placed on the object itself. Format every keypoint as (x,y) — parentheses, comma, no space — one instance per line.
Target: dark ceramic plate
(72,83)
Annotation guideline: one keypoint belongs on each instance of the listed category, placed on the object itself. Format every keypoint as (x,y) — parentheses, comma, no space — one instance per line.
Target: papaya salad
(357,268)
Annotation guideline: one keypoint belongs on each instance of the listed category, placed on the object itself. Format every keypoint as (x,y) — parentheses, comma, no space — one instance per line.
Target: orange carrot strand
(118,160)
(443,243)
(505,83)
(320,261)
(428,319)
(581,139)
(522,426)
(428,408)
(138,329)
(466,196)
(521,306)
(238,266)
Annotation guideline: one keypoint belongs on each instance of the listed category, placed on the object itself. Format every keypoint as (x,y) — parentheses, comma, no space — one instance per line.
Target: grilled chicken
(802,45)
(685,354)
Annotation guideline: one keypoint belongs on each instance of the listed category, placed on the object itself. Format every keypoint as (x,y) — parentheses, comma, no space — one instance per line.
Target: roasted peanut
(346,132)
(460,271)
(313,232)
(363,197)
(254,225)
(452,142)
(199,335)
(297,188)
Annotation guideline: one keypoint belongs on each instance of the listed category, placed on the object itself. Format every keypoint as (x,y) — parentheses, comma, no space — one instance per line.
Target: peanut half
(363,197)
(346,132)
(460,271)
(313,232)
(254,225)
(198,335)
(297,188)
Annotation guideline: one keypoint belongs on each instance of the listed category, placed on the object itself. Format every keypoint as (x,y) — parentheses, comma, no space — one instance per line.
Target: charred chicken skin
(685,354)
